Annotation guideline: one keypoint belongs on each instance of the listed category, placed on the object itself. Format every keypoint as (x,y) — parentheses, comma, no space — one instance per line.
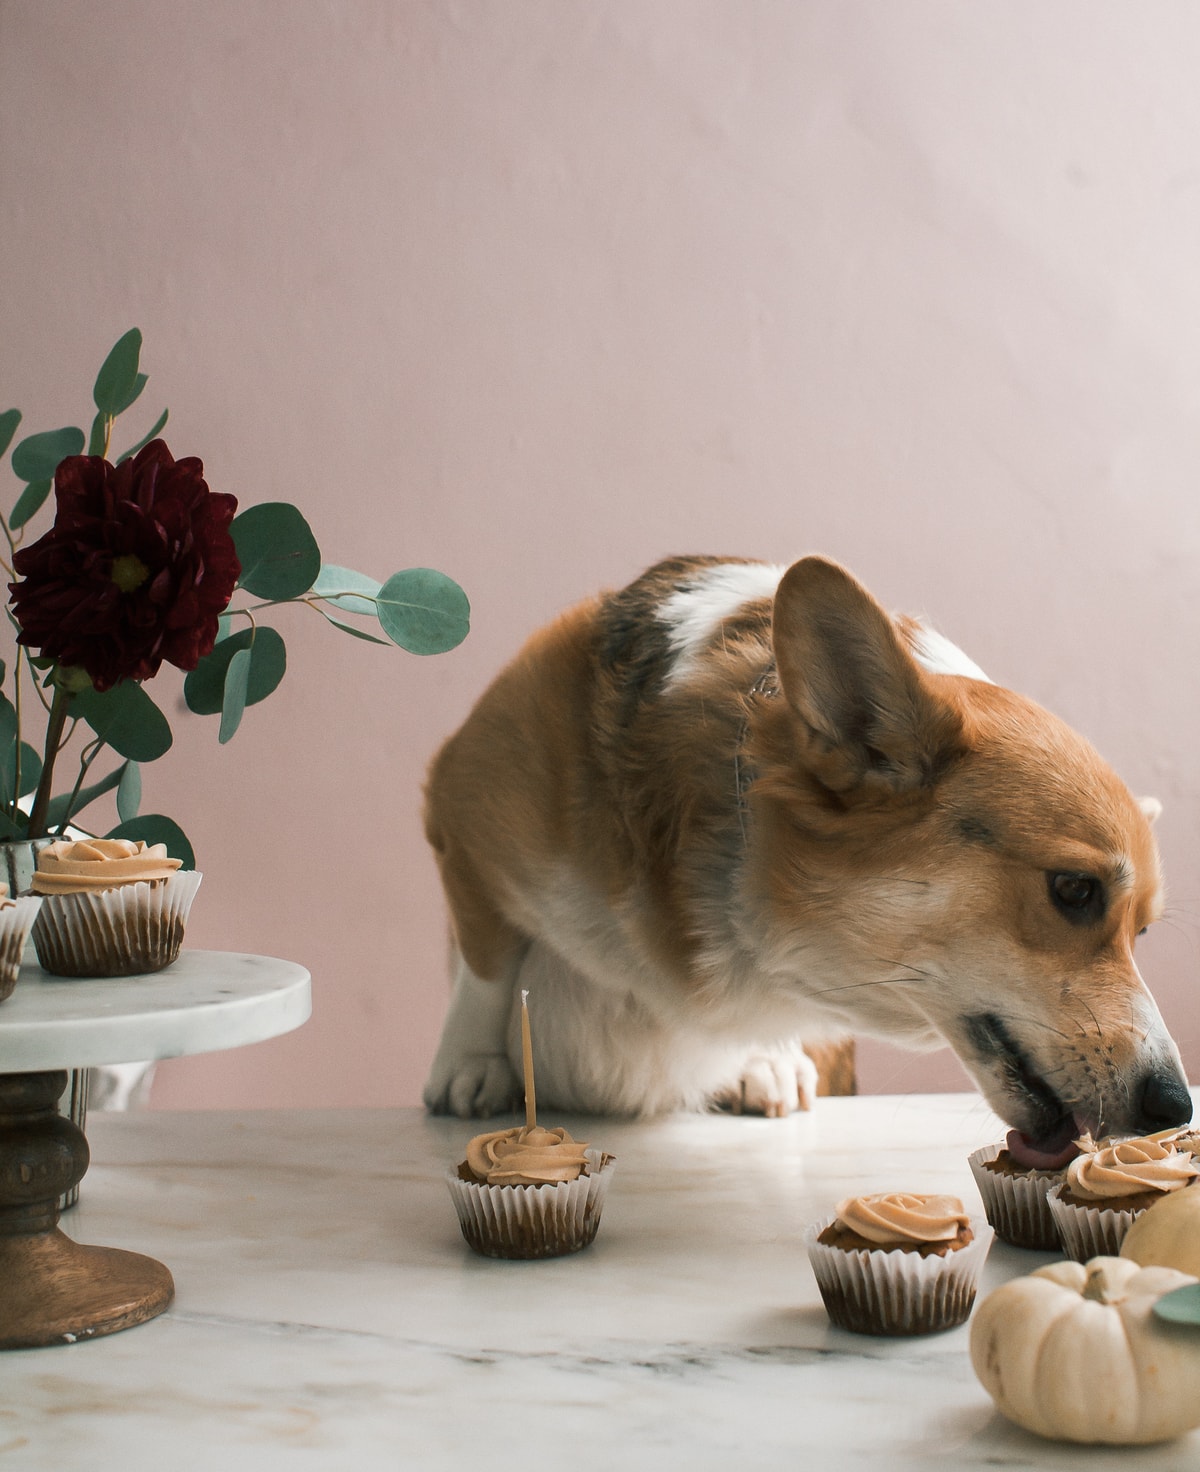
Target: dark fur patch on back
(635,647)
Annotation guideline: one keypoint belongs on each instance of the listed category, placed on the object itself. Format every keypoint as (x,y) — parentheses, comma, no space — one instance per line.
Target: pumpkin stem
(1096,1286)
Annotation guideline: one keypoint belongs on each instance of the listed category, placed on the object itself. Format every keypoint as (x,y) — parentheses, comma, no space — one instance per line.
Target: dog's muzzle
(1049,1123)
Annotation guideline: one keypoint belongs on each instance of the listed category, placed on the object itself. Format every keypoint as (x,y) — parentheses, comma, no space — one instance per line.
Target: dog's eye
(1079,897)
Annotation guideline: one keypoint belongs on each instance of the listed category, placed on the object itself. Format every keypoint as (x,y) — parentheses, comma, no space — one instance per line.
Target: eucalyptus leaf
(129,792)
(204,687)
(117,383)
(1180,1306)
(31,769)
(233,702)
(424,611)
(156,828)
(62,809)
(29,503)
(339,586)
(9,421)
(37,456)
(145,439)
(127,719)
(12,829)
(98,438)
(350,629)
(278,552)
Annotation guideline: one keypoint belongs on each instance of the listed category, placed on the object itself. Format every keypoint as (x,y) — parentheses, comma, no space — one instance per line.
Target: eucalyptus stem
(86,757)
(54,729)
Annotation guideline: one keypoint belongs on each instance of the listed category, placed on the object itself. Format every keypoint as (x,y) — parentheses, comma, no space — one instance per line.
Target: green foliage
(206,686)
(36,457)
(119,383)
(420,610)
(278,552)
(424,611)
(156,828)
(126,719)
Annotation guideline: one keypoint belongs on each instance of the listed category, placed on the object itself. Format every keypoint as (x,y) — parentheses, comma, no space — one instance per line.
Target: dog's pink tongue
(1051,1152)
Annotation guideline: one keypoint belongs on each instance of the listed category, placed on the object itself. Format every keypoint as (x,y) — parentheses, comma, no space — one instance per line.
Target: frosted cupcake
(898,1263)
(110,907)
(529,1192)
(16,920)
(1106,1188)
(1014,1197)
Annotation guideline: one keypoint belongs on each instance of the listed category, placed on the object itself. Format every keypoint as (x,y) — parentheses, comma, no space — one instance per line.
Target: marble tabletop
(329,1315)
(203,1002)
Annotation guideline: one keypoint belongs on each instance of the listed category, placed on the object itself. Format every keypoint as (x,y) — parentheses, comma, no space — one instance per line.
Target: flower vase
(18,862)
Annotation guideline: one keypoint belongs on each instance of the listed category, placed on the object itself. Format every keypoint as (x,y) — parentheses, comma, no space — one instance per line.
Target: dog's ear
(867,716)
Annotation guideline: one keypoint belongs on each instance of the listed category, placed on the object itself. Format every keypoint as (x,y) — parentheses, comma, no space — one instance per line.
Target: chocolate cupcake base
(897,1293)
(16,920)
(128,931)
(531,1221)
(1015,1201)
(1087,1231)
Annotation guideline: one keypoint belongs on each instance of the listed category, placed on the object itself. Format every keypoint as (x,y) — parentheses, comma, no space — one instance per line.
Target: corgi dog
(735,807)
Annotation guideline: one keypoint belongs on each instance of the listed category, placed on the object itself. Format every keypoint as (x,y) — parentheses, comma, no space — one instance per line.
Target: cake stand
(53,1290)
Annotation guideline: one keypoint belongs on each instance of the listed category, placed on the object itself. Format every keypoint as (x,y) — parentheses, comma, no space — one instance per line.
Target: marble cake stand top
(203,1002)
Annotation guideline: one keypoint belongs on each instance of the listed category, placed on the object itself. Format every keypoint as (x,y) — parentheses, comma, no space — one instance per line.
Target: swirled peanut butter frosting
(903,1216)
(89,865)
(529,1156)
(6,900)
(1129,1167)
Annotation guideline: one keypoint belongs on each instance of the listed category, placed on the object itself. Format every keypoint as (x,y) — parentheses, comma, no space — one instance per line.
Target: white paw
(774,1083)
(478,1086)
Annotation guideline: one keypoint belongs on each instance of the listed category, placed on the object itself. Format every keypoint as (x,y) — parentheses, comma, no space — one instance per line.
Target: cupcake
(16,919)
(110,907)
(1110,1185)
(898,1263)
(529,1192)
(1014,1197)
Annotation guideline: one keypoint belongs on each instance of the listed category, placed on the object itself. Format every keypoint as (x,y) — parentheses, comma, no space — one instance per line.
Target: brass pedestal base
(52,1290)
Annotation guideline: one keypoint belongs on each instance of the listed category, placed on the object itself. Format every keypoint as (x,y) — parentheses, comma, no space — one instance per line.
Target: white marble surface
(203,1002)
(329,1315)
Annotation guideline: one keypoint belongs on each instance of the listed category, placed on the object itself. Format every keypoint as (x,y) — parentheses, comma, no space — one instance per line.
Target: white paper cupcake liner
(897,1293)
(16,921)
(117,932)
(532,1221)
(1016,1204)
(1089,1231)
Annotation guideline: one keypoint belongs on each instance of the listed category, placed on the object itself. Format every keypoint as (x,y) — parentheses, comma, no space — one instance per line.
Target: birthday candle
(527,1064)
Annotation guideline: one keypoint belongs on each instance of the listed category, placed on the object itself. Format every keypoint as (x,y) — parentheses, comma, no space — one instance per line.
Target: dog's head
(988,872)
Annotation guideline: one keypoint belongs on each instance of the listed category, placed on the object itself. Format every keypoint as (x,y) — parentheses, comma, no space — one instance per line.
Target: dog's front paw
(478,1086)
(774,1083)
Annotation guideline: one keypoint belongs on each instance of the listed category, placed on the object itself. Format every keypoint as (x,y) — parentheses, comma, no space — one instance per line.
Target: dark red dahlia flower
(136,568)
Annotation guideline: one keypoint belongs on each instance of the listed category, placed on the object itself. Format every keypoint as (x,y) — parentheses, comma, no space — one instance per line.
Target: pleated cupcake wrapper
(1015,1205)
(1089,1231)
(16,921)
(897,1292)
(532,1221)
(117,932)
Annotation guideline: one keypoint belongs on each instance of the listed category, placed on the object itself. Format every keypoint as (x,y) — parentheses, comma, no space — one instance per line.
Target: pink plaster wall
(536,293)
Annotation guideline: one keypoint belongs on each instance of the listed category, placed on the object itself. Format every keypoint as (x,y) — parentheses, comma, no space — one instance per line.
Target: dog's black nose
(1165,1102)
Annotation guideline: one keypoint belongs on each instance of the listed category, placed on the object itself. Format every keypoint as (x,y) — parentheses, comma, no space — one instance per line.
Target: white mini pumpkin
(1168,1234)
(1074,1352)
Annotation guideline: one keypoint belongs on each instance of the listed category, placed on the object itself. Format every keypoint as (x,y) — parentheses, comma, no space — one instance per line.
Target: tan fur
(790,829)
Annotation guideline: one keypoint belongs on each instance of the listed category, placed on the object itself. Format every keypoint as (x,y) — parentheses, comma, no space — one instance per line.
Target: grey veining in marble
(329,1315)
(203,1002)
